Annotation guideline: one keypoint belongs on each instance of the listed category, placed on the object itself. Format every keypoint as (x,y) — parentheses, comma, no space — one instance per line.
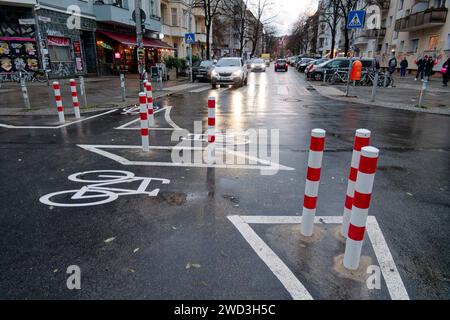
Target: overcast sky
(289,10)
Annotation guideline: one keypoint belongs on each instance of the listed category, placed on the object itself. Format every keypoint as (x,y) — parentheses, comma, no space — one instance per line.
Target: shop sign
(58,41)
(78,56)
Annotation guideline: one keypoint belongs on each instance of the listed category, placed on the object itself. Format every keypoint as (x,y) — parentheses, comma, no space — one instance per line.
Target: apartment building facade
(175,24)
(406,28)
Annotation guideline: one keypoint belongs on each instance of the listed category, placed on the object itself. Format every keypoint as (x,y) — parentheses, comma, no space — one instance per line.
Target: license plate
(225,78)
(199,75)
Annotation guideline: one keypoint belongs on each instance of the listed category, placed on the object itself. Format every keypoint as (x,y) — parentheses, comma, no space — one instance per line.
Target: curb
(377,104)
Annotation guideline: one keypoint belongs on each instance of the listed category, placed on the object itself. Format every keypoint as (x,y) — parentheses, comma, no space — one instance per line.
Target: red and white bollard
(316,148)
(73,90)
(59,105)
(211,129)
(360,209)
(151,118)
(144,120)
(362,139)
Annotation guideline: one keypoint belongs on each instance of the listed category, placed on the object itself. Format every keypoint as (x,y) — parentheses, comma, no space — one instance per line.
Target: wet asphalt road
(181,245)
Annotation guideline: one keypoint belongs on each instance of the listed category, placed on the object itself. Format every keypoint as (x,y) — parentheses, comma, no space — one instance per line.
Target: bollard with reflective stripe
(211,129)
(59,105)
(151,118)
(76,106)
(144,120)
(362,139)
(316,148)
(360,209)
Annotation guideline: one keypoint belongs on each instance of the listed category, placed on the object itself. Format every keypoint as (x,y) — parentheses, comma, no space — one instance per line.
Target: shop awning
(131,40)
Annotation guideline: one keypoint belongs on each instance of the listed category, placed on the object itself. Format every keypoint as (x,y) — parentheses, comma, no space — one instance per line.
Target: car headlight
(252,65)
(214,73)
(237,73)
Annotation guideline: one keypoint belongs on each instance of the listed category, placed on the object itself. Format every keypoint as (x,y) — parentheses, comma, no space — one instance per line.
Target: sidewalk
(102,93)
(405,95)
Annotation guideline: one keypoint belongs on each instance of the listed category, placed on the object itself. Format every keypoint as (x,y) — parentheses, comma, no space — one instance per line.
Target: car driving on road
(229,71)
(201,70)
(281,64)
(258,65)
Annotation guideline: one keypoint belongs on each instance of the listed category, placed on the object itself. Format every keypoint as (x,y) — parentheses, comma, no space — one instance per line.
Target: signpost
(356,20)
(189,39)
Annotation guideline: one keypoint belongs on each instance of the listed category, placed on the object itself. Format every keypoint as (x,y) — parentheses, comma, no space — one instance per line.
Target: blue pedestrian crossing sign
(356,19)
(189,38)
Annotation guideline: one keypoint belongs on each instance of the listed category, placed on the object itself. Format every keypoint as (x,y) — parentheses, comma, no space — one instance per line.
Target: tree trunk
(333,40)
(208,45)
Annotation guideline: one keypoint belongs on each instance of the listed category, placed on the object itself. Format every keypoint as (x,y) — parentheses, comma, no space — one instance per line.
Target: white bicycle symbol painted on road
(100,190)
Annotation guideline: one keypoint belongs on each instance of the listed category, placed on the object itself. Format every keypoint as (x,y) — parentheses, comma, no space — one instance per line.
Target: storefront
(117,52)
(66,51)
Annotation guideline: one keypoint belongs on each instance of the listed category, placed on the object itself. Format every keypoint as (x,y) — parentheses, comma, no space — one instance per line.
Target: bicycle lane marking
(167,110)
(99,189)
(8,126)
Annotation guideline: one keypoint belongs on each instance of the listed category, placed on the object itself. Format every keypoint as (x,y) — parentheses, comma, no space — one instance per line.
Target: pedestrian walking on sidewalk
(403,67)
(446,72)
(392,65)
(421,67)
(429,67)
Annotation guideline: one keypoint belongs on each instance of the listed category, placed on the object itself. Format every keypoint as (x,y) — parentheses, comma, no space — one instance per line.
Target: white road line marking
(201,89)
(98,149)
(391,275)
(282,90)
(57,127)
(166,116)
(181,87)
(394,283)
(275,264)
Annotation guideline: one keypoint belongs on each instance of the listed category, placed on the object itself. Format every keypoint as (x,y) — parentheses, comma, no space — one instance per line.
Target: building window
(448,41)
(402,46)
(414,45)
(395,35)
(390,21)
(400,6)
(174,17)
(185,18)
(433,42)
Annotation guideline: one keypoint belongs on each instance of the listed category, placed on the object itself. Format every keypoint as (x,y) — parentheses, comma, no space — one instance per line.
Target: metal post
(39,39)
(325,76)
(140,44)
(26,98)
(83,91)
(374,87)
(122,86)
(348,77)
(191,79)
(422,92)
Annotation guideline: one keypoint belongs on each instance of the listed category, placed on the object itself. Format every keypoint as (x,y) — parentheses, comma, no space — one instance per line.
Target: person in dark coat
(403,67)
(429,67)
(421,67)
(446,76)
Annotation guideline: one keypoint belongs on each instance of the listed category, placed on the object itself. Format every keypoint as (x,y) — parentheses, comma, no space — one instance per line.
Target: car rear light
(286,65)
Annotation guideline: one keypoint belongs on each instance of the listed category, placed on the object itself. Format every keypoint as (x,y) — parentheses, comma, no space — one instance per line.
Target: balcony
(376,33)
(432,17)
(361,40)
(110,11)
(173,31)
(200,36)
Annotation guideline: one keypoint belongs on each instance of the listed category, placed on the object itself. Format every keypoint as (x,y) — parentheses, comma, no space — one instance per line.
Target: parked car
(201,70)
(249,63)
(258,65)
(229,71)
(338,63)
(281,64)
(310,68)
(303,63)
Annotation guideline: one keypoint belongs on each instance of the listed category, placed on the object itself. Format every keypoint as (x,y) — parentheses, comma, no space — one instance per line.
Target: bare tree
(329,12)
(258,20)
(345,6)
(210,8)
(236,11)
(298,41)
